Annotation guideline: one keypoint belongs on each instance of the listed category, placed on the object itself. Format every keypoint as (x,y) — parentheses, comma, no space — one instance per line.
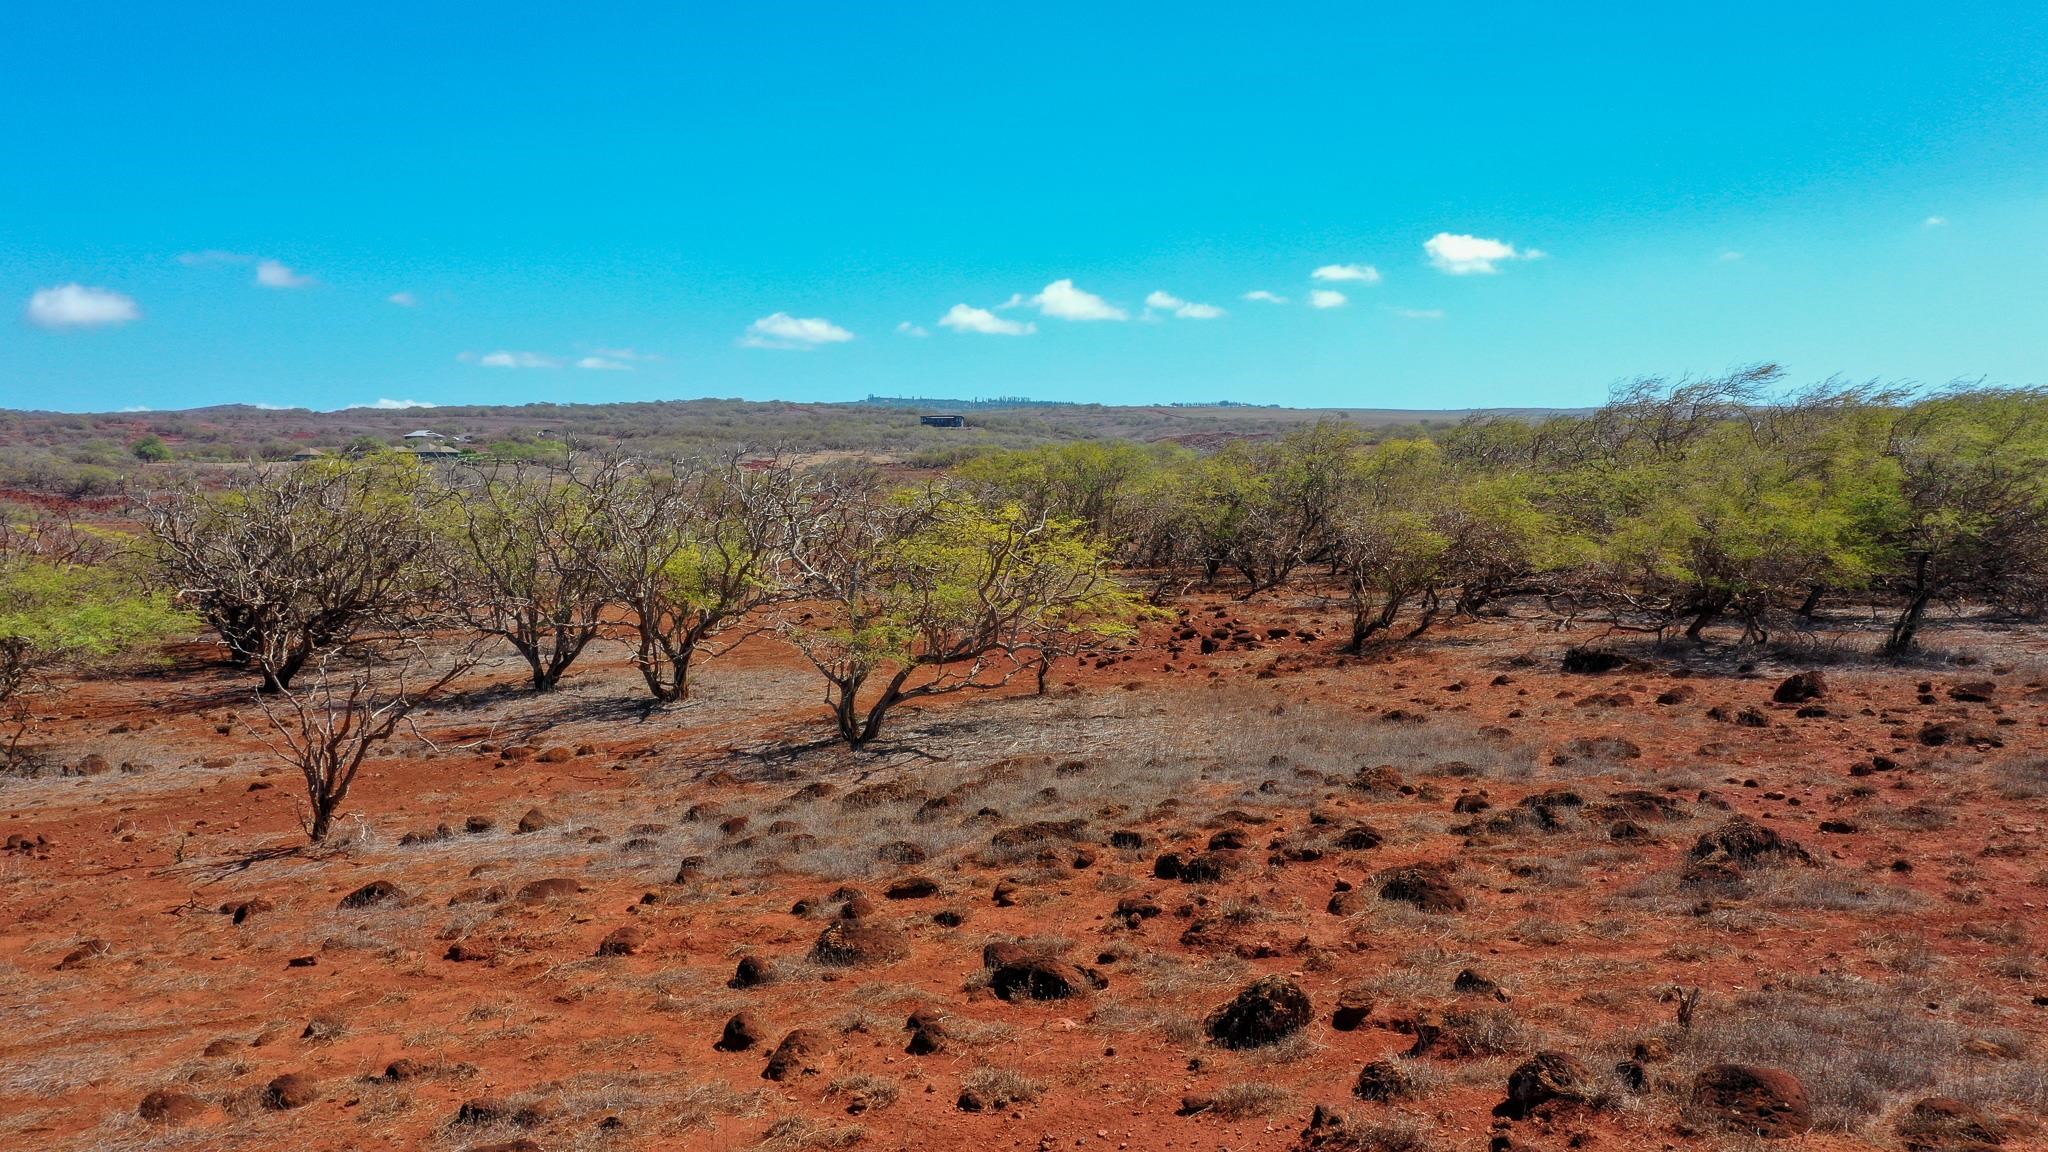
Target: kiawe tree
(327,728)
(526,548)
(693,551)
(926,593)
(291,560)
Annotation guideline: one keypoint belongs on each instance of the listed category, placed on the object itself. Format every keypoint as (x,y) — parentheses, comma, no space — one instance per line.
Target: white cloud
(1357,273)
(1935,222)
(1327,298)
(1262,294)
(630,355)
(1186,310)
(781,330)
(908,329)
(274,274)
(403,299)
(1729,257)
(967,318)
(1061,300)
(505,359)
(1419,313)
(603,364)
(136,408)
(76,306)
(1462,255)
(389,404)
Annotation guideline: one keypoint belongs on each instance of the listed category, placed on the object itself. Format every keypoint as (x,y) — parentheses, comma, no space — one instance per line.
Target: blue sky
(330,205)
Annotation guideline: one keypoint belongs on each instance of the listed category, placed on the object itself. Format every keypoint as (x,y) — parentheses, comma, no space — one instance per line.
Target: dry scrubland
(1270,896)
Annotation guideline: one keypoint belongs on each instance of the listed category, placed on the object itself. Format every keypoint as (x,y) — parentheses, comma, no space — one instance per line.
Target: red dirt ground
(1908,945)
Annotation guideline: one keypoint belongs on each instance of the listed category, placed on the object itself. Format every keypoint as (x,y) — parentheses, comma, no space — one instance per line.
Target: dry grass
(1860,1047)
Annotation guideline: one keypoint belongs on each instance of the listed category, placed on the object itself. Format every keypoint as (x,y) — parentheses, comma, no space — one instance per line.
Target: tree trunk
(1812,602)
(1707,615)
(1907,628)
(278,677)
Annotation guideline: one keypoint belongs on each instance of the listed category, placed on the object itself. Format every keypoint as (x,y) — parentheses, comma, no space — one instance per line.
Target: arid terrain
(570,922)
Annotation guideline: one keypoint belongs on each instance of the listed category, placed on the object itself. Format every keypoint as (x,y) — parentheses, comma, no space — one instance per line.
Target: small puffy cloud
(629,355)
(1327,298)
(1184,309)
(967,318)
(77,306)
(1419,313)
(274,274)
(603,364)
(1263,295)
(908,329)
(1062,301)
(1729,257)
(1935,222)
(506,359)
(1355,273)
(781,330)
(394,405)
(403,299)
(212,256)
(1462,255)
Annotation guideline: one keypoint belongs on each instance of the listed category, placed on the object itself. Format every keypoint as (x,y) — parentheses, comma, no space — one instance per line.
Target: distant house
(305,454)
(424,434)
(433,451)
(943,420)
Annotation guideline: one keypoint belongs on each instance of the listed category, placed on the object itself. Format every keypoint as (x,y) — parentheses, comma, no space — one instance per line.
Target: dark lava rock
(1267,1011)
(1766,1102)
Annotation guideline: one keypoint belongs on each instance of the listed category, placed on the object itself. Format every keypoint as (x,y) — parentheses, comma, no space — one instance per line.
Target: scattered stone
(1545,1080)
(1801,687)
(928,1035)
(742,1032)
(551,888)
(860,943)
(912,888)
(1957,732)
(1042,978)
(1941,1124)
(1267,1011)
(372,894)
(1383,1080)
(1592,661)
(623,941)
(1765,1102)
(1471,983)
(752,972)
(1354,1005)
(170,1106)
(538,819)
(1359,838)
(793,1056)
(1747,842)
(86,952)
(1427,888)
(291,1090)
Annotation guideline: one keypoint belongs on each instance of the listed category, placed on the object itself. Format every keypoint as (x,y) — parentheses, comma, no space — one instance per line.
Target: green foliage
(151,449)
(56,615)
